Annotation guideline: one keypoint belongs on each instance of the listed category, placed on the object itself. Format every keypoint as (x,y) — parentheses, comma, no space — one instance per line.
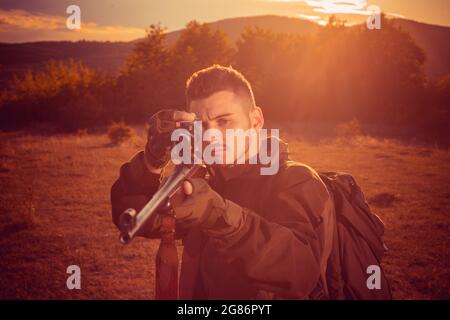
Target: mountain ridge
(109,56)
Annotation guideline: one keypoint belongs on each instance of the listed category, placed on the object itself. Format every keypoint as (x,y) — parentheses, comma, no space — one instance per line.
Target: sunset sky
(25,20)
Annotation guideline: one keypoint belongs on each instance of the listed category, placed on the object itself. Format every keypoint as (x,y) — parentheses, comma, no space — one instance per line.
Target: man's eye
(222,122)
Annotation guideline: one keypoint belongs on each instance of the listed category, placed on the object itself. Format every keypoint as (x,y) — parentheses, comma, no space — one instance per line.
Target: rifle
(131,223)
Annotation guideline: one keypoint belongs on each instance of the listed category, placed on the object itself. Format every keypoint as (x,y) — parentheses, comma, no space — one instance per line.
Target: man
(246,235)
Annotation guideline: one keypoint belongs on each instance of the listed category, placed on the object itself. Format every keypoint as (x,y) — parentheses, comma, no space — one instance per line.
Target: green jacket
(281,242)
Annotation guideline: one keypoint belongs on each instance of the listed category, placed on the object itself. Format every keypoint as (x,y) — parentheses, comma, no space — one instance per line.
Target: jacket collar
(247,171)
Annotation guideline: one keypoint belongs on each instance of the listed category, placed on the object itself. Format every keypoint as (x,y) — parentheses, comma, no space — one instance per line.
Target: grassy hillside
(55,211)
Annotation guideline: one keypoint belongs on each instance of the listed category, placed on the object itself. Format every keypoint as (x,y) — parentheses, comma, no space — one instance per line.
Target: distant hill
(109,56)
(234,26)
(435,40)
(105,56)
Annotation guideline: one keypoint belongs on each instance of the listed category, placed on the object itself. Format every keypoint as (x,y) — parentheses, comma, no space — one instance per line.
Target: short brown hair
(205,82)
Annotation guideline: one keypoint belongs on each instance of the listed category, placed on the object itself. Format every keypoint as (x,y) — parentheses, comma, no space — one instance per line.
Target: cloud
(339,6)
(354,11)
(394,15)
(21,25)
(308,17)
(334,6)
(317,19)
(26,20)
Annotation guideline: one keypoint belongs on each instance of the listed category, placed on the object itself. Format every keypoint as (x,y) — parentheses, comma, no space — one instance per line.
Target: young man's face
(227,110)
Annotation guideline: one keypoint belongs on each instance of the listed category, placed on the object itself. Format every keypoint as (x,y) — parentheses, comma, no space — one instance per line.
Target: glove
(157,148)
(206,209)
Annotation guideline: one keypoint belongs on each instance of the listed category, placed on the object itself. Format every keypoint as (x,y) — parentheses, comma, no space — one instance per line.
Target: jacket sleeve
(133,189)
(283,250)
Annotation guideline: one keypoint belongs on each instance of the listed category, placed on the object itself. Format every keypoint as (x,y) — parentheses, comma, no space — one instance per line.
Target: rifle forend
(131,223)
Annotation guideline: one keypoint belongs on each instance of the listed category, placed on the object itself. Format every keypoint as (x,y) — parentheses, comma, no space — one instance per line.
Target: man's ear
(256,118)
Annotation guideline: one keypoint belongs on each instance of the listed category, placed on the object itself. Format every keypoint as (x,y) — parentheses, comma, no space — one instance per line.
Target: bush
(66,94)
(119,132)
(349,130)
(82,132)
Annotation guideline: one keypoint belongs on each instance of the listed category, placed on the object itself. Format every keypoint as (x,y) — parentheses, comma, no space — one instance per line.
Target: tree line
(334,75)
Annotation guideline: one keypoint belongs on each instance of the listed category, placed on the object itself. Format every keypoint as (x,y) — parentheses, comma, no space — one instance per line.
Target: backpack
(354,266)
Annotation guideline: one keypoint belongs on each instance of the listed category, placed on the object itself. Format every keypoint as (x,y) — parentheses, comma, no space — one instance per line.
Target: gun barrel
(133,223)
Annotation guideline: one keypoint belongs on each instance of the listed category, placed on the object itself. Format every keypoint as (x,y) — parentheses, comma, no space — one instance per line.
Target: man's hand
(160,127)
(196,204)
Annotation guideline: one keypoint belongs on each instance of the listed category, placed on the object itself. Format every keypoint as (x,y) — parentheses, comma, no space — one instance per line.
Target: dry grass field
(55,212)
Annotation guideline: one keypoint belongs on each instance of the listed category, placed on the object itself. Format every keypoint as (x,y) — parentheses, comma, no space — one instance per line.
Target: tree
(42,96)
(197,47)
(150,54)
(156,73)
